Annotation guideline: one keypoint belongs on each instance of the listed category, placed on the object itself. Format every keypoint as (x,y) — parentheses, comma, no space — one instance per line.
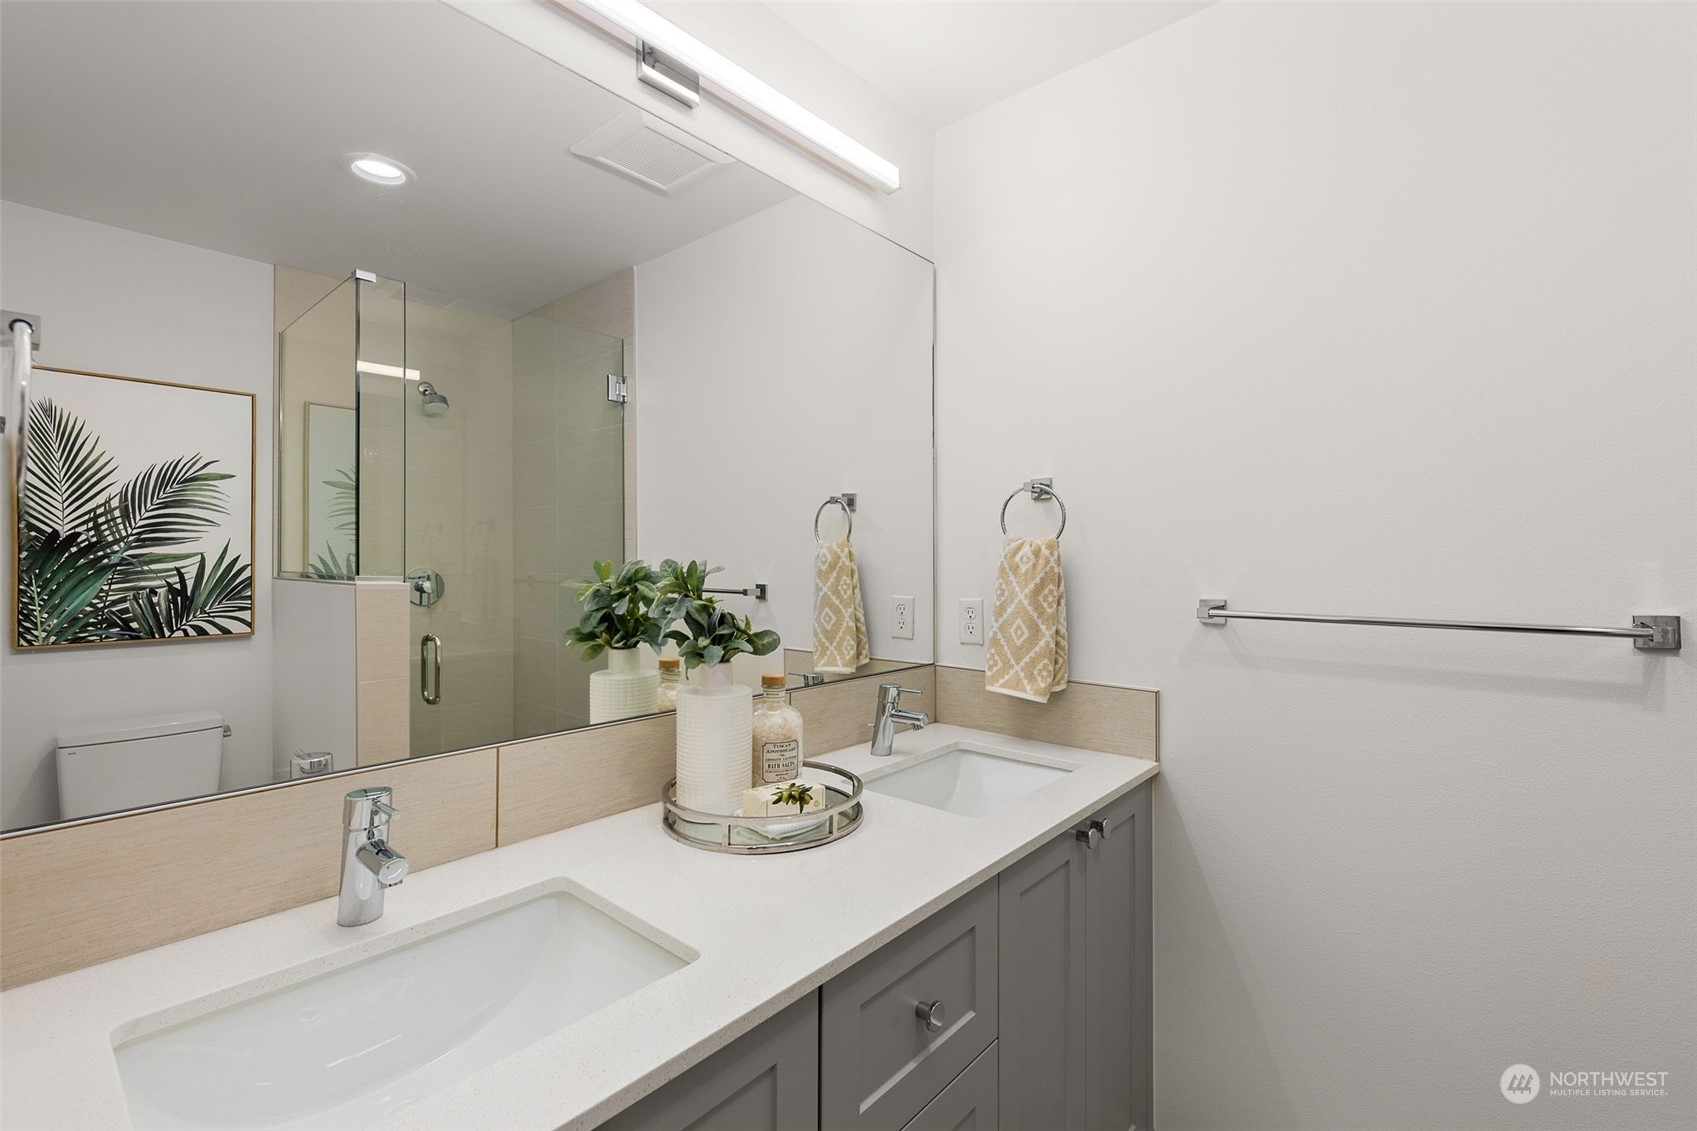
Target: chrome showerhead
(435,404)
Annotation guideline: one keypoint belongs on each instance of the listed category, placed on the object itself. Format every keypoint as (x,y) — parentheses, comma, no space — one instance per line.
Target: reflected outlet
(972,620)
(901,620)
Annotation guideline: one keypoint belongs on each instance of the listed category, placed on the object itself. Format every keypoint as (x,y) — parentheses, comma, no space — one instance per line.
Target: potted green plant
(621,612)
(715,716)
(710,634)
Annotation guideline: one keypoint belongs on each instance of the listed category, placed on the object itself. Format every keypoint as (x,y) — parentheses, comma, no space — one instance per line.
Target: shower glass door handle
(430,668)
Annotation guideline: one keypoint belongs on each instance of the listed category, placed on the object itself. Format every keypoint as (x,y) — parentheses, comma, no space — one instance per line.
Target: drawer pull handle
(932,1013)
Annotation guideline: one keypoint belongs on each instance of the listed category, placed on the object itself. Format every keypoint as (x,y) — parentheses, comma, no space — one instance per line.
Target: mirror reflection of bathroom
(431,360)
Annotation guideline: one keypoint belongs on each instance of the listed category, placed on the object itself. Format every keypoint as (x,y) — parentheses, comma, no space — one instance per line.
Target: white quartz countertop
(756,954)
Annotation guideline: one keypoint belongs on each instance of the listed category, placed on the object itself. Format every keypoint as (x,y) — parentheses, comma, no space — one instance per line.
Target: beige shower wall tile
(91,893)
(533,474)
(382,611)
(590,467)
(385,727)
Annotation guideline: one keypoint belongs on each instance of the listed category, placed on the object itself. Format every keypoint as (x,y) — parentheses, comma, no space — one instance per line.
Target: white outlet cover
(972,627)
(901,618)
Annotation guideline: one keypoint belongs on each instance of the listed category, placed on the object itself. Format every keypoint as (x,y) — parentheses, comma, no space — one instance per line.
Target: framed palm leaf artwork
(135,516)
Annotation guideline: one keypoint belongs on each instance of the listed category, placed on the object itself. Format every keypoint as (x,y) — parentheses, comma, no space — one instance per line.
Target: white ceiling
(944,59)
(222,125)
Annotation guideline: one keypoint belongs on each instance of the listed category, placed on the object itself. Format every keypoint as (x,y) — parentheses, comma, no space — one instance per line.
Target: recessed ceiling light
(377,169)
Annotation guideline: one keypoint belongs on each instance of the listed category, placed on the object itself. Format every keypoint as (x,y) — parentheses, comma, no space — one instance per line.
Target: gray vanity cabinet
(1076,1035)
(899,1026)
(1024,1004)
(969,1104)
(766,1081)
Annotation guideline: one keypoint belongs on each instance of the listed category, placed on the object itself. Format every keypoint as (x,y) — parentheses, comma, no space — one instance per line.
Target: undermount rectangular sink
(351,1046)
(967,781)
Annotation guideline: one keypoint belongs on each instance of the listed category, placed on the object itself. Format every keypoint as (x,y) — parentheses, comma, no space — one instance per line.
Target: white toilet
(128,763)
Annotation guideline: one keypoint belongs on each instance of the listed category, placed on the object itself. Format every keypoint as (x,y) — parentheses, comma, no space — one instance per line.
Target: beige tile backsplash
(90,893)
(66,905)
(1094,716)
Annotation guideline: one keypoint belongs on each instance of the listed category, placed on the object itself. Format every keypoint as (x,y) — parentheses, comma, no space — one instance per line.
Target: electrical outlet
(901,624)
(972,629)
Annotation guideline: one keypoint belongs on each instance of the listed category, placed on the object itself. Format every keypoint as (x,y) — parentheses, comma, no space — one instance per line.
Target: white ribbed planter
(715,736)
(624,689)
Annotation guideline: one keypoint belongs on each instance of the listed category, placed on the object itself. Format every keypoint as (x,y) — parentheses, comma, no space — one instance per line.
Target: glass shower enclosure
(460,468)
(515,485)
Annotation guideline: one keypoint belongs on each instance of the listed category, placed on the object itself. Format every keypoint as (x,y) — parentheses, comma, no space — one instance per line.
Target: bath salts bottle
(671,679)
(777,734)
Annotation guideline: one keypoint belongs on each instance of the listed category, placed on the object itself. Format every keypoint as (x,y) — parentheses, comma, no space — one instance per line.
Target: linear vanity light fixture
(378,369)
(668,52)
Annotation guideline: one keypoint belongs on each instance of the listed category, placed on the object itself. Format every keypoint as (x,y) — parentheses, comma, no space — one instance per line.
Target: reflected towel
(839,618)
(1027,656)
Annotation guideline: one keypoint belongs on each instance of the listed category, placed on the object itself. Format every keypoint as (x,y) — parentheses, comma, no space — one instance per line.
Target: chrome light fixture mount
(671,60)
(667,75)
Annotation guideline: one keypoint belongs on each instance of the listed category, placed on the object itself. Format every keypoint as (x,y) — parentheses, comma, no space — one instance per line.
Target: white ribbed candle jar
(624,689)
(715,734)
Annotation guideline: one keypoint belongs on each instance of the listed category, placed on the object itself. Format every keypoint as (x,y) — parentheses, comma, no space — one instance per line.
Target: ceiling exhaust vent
(654,154)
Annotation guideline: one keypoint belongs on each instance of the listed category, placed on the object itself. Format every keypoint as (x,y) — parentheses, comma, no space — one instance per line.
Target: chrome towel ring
(847,502)
(1037,489)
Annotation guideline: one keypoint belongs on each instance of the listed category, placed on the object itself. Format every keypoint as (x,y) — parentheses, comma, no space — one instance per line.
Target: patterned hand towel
(1027,656)
(839,618)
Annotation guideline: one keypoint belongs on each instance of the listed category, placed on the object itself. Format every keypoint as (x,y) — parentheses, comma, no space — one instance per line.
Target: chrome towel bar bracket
(847,500)
(1038,489)
(1647,633)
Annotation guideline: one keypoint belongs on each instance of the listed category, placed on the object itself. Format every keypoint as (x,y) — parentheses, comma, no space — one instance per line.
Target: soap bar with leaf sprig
(781,799)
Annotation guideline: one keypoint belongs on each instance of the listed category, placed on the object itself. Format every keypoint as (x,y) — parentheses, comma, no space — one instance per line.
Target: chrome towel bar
(758,592)
(1648,633)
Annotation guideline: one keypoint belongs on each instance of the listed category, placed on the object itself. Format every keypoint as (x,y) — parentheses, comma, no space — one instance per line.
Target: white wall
(756,39)
(1385,309)
(315,673)
(113,301)
(806,342)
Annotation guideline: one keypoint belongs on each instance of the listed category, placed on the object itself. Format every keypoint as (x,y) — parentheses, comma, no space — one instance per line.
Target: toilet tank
(128,763)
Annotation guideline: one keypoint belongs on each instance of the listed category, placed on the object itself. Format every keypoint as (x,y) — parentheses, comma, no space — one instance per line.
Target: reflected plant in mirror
(618,610)
(711,634)
(622,611)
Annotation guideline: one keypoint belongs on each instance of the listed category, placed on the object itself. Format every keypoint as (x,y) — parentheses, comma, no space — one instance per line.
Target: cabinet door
(1118,970)
(882,1062)
(1043,988)
(767,1080)
(969,1104)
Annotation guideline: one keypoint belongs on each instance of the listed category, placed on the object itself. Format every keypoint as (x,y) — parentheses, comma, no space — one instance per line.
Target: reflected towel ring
(1037,489)
(846,501)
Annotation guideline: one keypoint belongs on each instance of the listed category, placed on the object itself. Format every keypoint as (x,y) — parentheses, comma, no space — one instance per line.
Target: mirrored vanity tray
(758,835)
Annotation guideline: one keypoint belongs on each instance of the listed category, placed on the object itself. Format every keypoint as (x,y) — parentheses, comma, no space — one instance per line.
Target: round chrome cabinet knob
(1090,837)
(932,1013)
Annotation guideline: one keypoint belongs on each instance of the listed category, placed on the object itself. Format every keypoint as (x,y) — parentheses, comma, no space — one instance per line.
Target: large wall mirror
(539,329)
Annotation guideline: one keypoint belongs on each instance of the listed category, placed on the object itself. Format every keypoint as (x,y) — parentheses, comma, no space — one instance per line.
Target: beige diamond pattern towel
(839,618)
(1027,656)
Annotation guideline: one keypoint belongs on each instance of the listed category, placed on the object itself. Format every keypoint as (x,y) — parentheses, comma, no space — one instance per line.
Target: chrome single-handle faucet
(891,712)
(369,866)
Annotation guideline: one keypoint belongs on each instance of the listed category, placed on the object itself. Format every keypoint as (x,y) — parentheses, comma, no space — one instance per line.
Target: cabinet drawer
(969,1104)
(882,1064)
